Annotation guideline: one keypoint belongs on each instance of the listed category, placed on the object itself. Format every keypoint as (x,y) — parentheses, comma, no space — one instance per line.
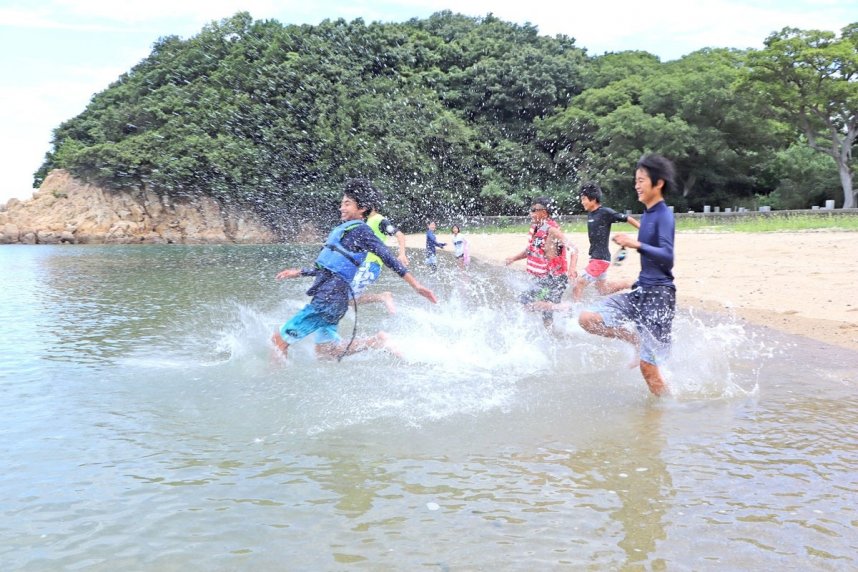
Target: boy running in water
(336,265)
(546,262)
(651,305)
(599,221)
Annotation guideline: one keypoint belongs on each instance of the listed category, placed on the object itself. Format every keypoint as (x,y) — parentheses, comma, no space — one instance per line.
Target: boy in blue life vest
(344,251)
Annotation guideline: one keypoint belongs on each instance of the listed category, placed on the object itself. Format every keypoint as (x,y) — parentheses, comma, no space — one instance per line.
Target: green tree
(690,110)
(804,177)
(728,140)
(810,78)
(452,116)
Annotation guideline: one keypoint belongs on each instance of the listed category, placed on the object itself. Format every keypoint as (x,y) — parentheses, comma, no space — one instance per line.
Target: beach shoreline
(800,283)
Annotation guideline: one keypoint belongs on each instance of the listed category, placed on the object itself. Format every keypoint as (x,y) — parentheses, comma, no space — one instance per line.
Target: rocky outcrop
(67,210)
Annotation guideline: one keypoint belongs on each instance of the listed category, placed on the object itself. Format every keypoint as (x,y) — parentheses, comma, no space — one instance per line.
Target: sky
(58,53)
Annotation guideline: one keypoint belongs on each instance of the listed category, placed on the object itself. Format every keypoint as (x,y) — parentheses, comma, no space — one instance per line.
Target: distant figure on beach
(431,244)
(335,267)
(370,270)
(460,246)
(651,304)
(546,262)
(599,221)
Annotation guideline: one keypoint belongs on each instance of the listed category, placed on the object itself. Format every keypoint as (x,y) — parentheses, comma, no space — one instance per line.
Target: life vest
(337,258)
(538,262)
(374,222)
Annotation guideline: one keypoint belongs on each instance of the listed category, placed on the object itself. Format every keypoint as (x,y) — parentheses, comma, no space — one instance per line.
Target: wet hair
(592,191)
(364,193)
(659,168)
(544,201)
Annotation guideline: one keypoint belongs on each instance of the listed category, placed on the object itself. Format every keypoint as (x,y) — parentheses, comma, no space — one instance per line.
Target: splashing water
(476,351)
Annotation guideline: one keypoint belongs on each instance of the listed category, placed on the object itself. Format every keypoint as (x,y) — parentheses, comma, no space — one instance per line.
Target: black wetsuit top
(599,229)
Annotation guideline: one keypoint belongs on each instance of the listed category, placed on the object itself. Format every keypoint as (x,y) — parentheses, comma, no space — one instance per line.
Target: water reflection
(104,301)
(643,485)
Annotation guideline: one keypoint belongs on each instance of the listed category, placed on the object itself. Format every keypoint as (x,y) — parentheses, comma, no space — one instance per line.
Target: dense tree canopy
(811,77)
(451,116)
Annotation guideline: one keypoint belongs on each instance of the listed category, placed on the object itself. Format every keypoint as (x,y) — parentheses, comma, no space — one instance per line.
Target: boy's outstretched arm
(288,273)
(419,288)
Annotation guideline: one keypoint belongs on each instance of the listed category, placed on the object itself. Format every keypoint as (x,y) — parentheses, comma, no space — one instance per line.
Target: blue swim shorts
(651,309)
(307,321)
(366,275)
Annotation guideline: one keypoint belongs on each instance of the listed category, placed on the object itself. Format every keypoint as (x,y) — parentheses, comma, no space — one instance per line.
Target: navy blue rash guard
(656,236)
(330,292)
(432,242)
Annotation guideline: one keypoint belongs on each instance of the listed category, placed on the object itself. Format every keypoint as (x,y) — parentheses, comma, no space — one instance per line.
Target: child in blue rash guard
(431,244)
(345,249)
(651,304)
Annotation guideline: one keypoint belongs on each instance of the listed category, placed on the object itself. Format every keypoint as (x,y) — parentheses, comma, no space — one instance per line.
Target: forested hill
(451,116)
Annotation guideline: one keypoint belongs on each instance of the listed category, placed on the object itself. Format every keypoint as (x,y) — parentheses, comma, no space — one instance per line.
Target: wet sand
(802,283)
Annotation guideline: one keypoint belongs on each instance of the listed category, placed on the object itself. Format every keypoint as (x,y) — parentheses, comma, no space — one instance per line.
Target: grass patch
(773,223)
(779,222)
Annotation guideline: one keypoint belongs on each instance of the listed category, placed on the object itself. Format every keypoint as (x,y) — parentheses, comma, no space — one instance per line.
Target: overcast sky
(58,53)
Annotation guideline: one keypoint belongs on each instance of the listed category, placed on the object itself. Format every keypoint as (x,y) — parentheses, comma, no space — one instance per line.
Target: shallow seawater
(147,426)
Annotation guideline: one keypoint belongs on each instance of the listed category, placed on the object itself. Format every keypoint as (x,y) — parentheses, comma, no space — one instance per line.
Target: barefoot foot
(281,346)
(387,344)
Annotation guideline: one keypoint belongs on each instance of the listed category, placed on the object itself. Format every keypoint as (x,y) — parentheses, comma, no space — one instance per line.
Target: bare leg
(604,287)
(280,343)
(385,297)
(578,291)
(592,322)
(653,378)
(341,349)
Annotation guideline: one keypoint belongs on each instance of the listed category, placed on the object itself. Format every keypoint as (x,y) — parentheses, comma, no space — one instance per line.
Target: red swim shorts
(596,268)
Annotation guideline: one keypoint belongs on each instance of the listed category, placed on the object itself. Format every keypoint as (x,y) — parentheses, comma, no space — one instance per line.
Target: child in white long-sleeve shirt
(460,244)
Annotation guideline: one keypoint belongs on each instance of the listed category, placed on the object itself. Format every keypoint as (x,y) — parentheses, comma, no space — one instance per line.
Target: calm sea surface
(146,426)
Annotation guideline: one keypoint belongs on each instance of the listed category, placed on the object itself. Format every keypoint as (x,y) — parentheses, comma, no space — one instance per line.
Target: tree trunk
(843,164)
(846,181)
(687,186)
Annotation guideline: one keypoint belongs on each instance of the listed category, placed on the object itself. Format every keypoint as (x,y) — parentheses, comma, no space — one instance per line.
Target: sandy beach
(801,283)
